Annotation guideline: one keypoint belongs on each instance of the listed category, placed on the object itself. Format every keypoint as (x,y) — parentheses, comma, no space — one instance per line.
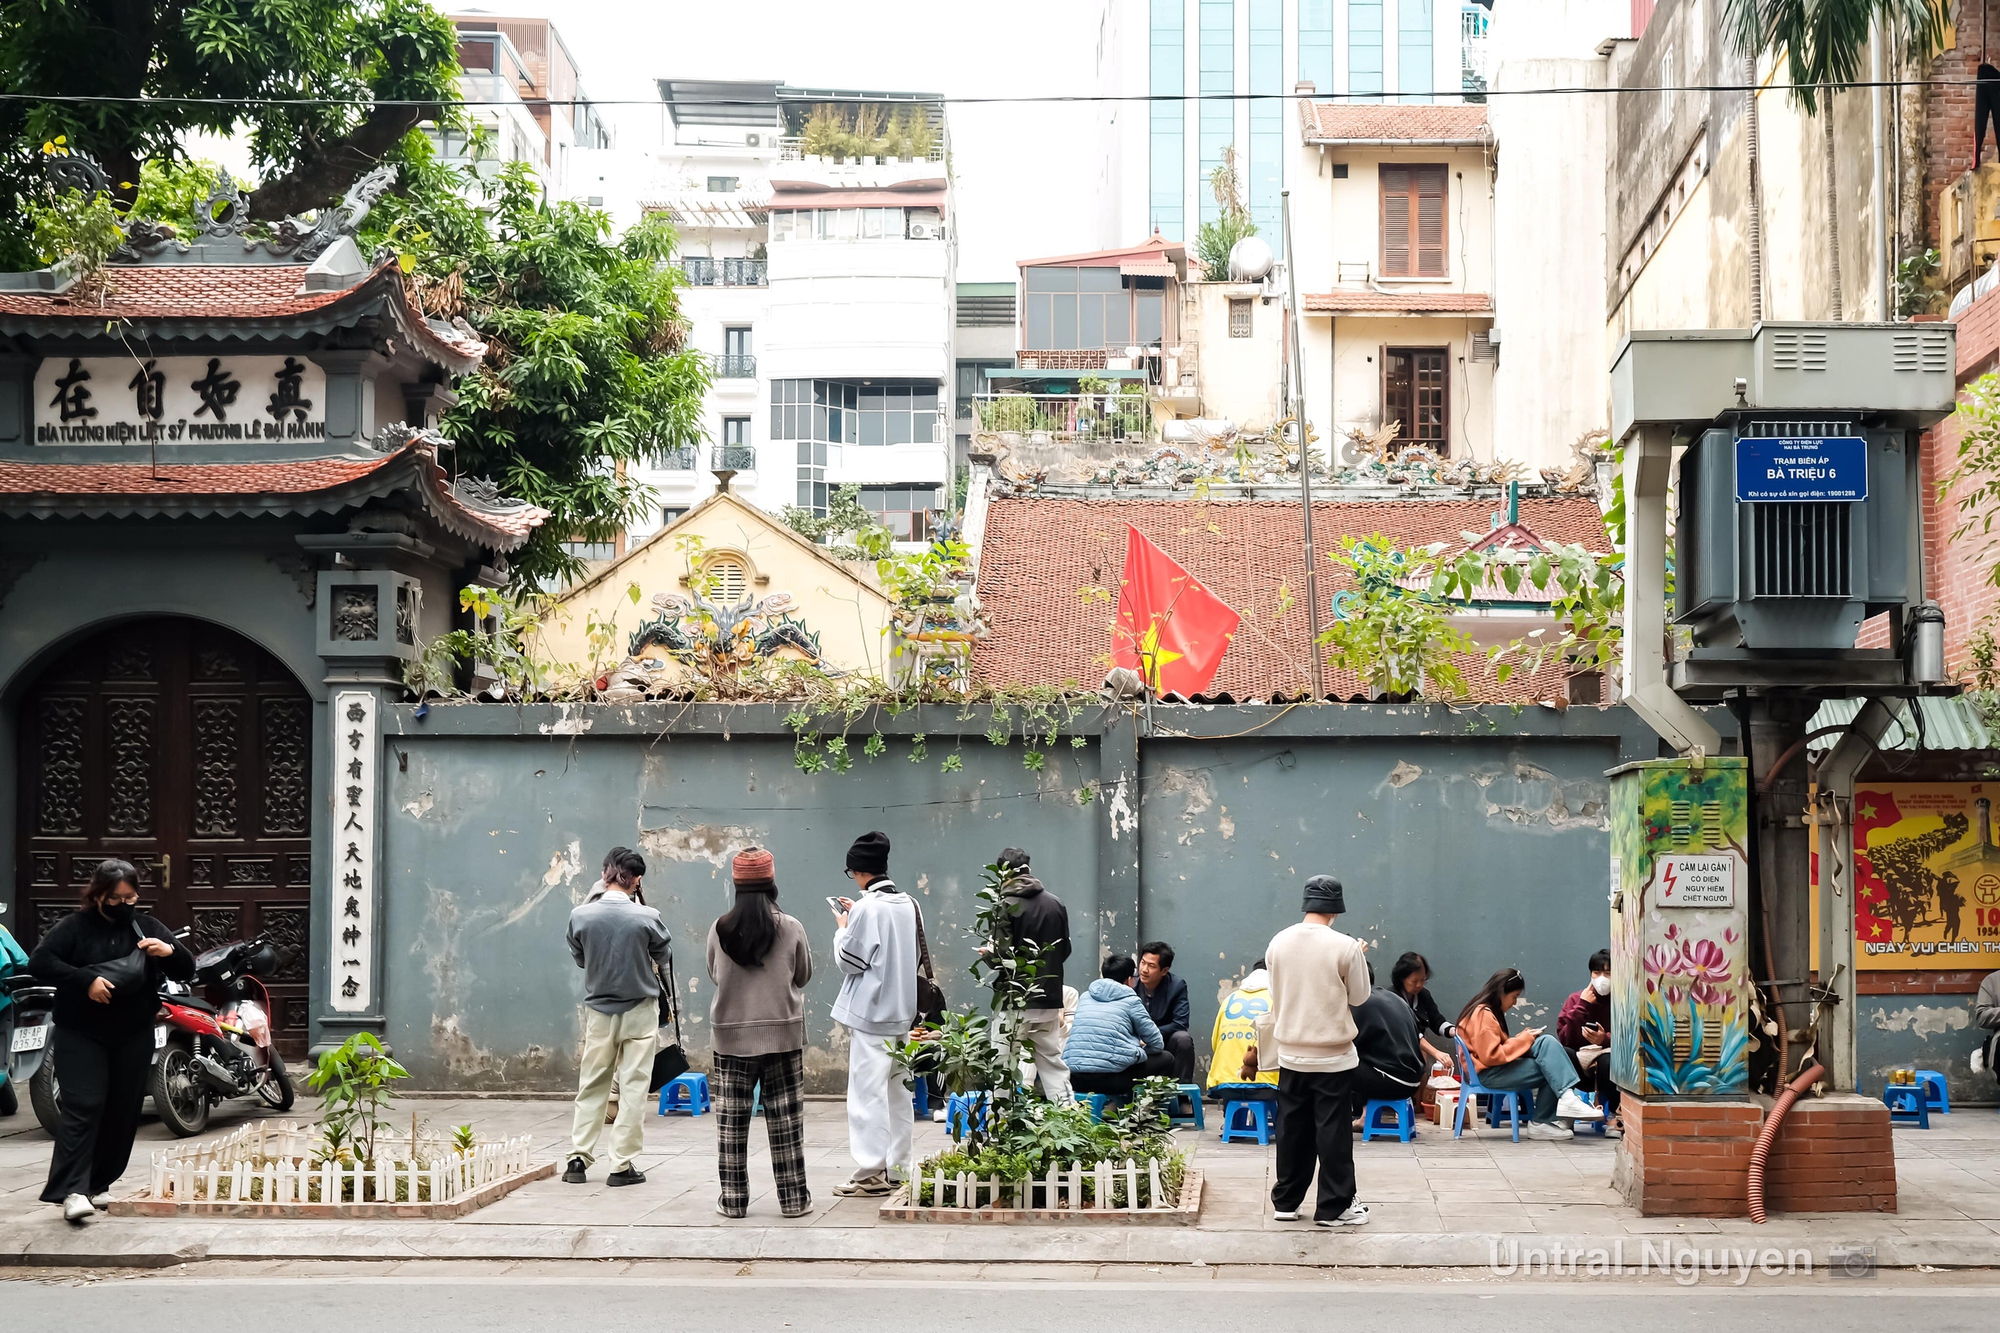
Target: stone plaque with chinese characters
(139,399)
(351,978)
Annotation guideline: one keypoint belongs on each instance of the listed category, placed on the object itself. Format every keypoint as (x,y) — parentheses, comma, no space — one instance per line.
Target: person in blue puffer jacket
(1113,1041)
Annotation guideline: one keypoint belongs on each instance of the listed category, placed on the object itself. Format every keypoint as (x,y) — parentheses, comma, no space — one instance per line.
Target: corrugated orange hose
(1768,1135)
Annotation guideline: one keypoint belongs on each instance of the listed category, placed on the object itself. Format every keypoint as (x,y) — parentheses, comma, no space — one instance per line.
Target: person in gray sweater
(760,962)
(620,944)
(876,947)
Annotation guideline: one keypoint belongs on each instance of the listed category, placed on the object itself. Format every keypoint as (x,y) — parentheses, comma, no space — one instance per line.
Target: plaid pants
(783,1077)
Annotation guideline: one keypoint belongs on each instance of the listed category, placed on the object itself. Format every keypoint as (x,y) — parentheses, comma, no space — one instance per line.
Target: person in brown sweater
(1317,976)
(1529,1061)
(760,962)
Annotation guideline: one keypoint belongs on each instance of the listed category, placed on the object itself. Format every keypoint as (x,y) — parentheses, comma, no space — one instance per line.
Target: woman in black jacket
(106,962)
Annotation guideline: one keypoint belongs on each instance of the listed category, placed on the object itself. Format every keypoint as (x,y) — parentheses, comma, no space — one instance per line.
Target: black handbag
(930,996)
(129,971)
(671,1061)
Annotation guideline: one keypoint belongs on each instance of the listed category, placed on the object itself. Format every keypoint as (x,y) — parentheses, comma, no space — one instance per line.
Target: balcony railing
(701,271)
(736,366)
(793,150)
(733,458)
(1081,416)
(1474,25)
(680,460)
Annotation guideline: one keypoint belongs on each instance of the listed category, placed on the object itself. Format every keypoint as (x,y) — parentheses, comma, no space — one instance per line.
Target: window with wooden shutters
(1413,222)
(1416,391)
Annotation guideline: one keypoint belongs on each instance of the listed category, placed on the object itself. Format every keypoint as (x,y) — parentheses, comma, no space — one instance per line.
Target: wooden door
(187,750)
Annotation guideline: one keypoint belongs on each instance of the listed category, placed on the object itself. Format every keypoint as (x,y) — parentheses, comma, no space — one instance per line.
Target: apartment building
(522,87)
(1220,73)
(816,237)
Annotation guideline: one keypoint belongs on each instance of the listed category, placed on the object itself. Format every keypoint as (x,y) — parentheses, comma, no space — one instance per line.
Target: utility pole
(1297,406)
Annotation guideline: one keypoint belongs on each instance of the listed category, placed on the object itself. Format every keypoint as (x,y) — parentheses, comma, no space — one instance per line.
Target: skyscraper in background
(1163,154)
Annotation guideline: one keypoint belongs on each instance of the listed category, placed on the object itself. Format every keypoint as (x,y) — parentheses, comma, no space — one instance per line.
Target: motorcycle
(206,1049)
(26,1010)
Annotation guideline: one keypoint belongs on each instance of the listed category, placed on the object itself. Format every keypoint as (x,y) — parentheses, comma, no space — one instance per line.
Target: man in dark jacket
(1040,920)
(1386,1038)
(1166,998)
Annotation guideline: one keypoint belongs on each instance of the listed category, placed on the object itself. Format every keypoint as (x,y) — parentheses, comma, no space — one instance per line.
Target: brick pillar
(1691,1158)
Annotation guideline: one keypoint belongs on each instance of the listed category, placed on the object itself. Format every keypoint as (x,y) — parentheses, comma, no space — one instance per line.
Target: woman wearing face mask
(1585,1020)
(106,961)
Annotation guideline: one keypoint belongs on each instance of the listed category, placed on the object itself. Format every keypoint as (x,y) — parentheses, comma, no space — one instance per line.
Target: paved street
(462,1298)
(1434,1201)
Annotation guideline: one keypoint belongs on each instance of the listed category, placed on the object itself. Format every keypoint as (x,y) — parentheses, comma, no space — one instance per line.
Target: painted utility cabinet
(1679,913)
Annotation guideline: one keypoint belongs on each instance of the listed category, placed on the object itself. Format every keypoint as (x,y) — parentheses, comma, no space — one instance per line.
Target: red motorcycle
(207,1049)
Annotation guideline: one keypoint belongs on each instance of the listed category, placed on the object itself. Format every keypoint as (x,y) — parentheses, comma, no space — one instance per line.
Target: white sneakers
(1355,1216)
(76,1208)
(1572,1107)
(1290,1216)
(101,1201)
(1544,1129)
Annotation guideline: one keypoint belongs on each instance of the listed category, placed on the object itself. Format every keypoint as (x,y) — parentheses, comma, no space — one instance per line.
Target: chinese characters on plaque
(140,399)
(353,879)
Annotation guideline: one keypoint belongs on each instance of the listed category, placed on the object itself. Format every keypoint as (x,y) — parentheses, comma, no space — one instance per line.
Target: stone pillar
(350,389)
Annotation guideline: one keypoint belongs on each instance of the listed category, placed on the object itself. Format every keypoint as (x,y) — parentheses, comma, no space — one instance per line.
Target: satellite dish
(1250,260)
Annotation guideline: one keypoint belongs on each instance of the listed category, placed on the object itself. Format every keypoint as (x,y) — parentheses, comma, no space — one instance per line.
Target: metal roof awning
(1147,268)
(1945,722)
(1012,373)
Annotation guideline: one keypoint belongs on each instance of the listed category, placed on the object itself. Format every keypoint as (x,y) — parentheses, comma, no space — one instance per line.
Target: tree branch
(325,176)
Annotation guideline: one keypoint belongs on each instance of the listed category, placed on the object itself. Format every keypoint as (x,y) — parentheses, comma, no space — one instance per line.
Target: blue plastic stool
(964,1112)
(1907,1105)
(1936,1097)
(1596,1126)
(1096,1101)
(1191,1093)
(1243,1122)
(1470,1089)
(687,1094)
(1402,1131)
(921,1099)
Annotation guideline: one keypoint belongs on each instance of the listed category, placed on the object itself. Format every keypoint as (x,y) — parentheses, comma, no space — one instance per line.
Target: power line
(1051,99)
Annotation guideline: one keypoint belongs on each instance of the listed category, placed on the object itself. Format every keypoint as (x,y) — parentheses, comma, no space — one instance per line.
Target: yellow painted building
(746,564)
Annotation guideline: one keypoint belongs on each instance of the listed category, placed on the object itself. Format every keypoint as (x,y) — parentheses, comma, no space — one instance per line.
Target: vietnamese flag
(1170,629)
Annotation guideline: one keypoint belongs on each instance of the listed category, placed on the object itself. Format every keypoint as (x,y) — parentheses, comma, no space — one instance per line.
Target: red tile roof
(170,291)
(1040,552)
(1156,248)
(314,485)
(1401,303)
(1367,122)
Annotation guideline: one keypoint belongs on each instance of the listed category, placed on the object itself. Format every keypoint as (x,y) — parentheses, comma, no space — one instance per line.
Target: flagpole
(1298,410)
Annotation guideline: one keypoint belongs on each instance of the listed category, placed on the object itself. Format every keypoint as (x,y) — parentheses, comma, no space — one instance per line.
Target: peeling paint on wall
(713,843)
(1403,774)
(421,806)
(570,721)
(1198,785)
(1923,1020)
(1123,819)
(1225,825)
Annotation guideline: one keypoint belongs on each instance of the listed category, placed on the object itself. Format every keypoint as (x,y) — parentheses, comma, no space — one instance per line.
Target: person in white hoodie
(876,947)
(1317,976)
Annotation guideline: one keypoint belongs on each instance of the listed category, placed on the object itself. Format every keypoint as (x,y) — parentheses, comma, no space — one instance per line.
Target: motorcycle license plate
(159,1038)
(31,1039)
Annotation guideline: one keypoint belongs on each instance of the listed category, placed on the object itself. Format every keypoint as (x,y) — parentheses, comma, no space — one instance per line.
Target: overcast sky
(1014,165)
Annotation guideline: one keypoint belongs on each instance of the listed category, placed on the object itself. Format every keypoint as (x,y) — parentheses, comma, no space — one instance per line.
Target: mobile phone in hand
(835,904)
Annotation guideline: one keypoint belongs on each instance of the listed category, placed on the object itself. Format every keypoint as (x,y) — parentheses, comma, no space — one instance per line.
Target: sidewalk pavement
(1434,1203)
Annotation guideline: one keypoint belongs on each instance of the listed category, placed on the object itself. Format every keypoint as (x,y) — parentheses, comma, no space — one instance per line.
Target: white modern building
(816,236)
(1220,74)
(523,90)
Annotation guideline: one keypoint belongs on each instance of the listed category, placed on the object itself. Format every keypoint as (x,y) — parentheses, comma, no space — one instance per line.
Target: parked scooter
(26,1010)
(206,1049)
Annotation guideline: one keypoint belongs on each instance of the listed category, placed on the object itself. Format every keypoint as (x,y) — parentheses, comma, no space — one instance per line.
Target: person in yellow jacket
(1236,1031)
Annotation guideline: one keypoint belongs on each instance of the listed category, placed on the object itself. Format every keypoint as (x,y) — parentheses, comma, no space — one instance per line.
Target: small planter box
(266,1170)
(1057,1199)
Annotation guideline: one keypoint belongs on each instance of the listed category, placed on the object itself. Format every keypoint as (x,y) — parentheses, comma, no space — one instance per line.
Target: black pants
(100,1085)
(1370,1085)
(1119,1082)
(1315,1129)
(1180,1045)
(1597,1079)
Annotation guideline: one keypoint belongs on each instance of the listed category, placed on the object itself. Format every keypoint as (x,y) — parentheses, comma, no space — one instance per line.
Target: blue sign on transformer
(1797,469)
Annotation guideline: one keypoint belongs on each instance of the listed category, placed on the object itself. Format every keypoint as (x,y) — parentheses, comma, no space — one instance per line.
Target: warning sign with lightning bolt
(1695,881)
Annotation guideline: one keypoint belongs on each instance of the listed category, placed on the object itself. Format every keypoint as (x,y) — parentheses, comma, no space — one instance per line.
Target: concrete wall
(1239,377)
(1479,840)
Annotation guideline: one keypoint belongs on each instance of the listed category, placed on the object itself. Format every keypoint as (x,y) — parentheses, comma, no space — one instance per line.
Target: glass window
(722,184)
(1090,322)
(849,226)
(781,225)
(905,510)
(1364,50)
(735,430)
(1264,170)
(1051,279)
(823,217)
(736,342)
(1217,67)
(1100,279)
(1316,44)
(871,223)
(1063,307)
(1149,308)
(1041,325)
(1116,310)
(1167,118)
(1415,79)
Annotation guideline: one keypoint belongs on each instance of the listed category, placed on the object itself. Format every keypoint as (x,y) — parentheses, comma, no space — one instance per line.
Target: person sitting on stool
(1166,998)
(1112,1041)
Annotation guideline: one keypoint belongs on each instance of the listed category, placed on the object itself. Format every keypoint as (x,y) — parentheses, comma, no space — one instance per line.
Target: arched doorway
(187,750)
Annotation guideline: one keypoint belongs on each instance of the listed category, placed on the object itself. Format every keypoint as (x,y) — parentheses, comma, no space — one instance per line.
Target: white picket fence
(272,1163)
(1058,1191)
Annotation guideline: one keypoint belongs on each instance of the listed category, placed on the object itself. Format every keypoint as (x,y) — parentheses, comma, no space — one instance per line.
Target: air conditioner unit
(754,140)
(923,231)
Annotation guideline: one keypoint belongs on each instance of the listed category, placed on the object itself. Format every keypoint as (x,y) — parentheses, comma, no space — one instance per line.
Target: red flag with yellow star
(1170,629)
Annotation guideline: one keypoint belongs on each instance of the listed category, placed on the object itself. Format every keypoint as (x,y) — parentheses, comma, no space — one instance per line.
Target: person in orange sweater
(1527,1061)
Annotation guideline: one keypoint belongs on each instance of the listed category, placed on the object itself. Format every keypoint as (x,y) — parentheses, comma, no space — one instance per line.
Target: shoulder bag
(671,1061)
(930,996)
(129,971)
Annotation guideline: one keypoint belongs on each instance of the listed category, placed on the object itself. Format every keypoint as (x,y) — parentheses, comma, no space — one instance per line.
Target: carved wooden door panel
(185,749)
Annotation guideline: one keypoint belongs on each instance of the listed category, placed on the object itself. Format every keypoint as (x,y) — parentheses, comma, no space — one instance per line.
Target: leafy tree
(1389,627)
(325,89)
(1216,239)
(1826,47)
(587,372)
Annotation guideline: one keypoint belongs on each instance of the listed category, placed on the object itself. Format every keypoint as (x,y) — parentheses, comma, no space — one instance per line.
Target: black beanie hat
(869,854)
(1325,896)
